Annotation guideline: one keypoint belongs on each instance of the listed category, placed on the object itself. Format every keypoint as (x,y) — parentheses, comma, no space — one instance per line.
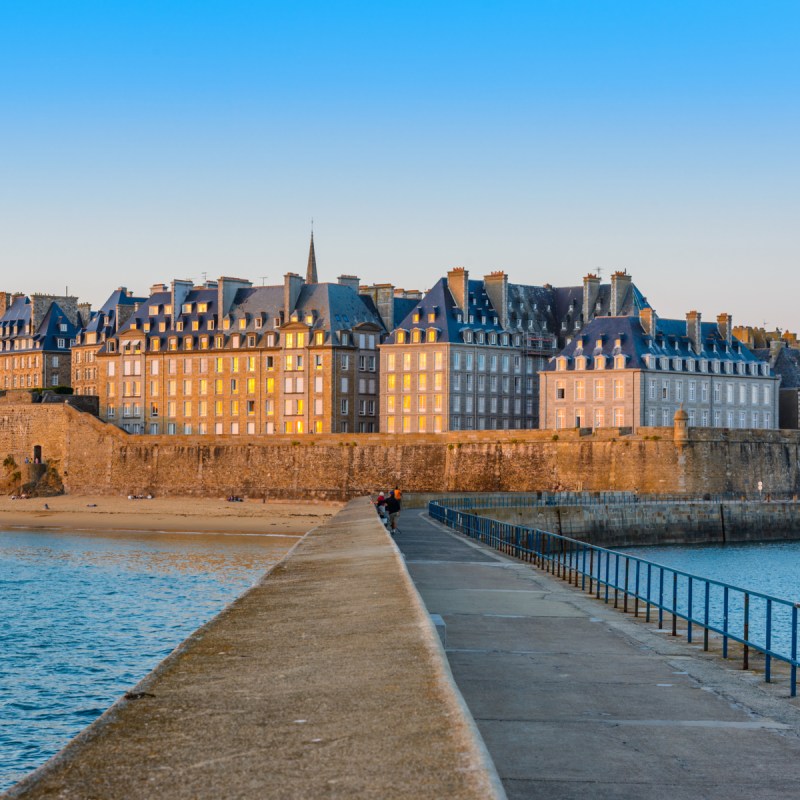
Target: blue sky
(152,140)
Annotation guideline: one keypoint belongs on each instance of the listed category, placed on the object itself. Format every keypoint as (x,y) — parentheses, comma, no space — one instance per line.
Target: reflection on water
(83,617)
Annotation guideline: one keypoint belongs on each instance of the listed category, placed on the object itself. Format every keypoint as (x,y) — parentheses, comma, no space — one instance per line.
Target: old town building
(36,334)
(230,358)
(634,372)
(467,355)
(103,323)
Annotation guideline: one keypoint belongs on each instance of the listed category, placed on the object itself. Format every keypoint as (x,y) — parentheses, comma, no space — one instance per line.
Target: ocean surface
(772,568)
(85,616)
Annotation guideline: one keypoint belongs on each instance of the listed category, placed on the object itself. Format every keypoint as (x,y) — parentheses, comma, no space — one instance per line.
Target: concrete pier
(325,680)
(576,700)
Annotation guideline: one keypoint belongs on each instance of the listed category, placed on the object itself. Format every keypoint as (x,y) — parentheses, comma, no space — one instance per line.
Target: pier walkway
(575,700)
(325,680)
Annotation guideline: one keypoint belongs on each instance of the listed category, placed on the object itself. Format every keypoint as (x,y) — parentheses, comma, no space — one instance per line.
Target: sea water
(85,616)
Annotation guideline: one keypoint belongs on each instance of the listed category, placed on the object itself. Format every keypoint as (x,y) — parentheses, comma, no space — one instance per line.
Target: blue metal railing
(756,621)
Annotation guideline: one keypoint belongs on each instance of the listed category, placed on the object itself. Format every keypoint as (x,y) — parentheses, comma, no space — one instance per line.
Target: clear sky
(148,140)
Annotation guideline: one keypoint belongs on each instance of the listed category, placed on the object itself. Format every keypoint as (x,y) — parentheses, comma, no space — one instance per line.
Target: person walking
(393,508)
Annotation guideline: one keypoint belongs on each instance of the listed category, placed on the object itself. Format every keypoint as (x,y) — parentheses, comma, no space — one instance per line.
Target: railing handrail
(561,554)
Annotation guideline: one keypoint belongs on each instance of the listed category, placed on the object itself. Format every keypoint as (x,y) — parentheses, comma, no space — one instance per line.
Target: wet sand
(174,514)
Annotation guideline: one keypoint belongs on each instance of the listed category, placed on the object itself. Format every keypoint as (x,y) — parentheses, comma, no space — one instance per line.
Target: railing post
(660,598)
(591,568)
(647,600)
(768,644)
(689,614)
(625,592)
(706,614)
(746,659)
(636,590)
(725,622)
(793,688)
(674,603)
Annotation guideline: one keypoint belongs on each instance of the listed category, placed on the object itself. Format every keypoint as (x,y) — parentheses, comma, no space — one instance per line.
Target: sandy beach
(201,515)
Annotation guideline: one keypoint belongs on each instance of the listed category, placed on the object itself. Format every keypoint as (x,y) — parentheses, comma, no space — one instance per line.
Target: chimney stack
(591,291)
(349,280)
(382,295)
(5,302)
(458,284)
(725,326)
(648,318)
(620,283)
(496,284)
(292,286)
(694,330)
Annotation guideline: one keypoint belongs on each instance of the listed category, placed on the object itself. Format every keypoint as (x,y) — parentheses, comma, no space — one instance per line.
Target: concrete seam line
(484,761)
(94,729)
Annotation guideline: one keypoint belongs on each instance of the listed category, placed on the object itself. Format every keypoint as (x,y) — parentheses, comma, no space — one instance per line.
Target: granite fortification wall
(93,457)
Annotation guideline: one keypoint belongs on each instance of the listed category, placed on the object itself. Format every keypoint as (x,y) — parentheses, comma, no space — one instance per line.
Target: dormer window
(202,307)
(251,340)
(492,338)
(242,323)
(226,324)
(173,343)
(458,318)
(179,326)
(677,364)
(416,335)
(258,322)
(219,342)
(153,311)
(600,362)
(504,339)
(703,365)
(415,316)
(146,327)
(481,337)
(664,363)
(619,361)
(431,334)
(186,308)
(210,325)
(401,337)
(599,344)
(195,324)
(561,363)
(468,337)
(155,344)
(309,319)
(319,337)
(167,309)
(580,362)
(188,343)
(729,367)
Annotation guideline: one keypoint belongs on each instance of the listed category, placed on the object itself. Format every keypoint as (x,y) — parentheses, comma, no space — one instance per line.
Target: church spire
(311,271)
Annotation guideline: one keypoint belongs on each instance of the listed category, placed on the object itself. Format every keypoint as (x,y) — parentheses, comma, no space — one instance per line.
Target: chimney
(620,283)
(591,290)
(178,292)
(85,313)
(382,296)
(40,305)
(226,291)
(496,284)
(349,280)
(157,288)
(648,318)
(694,330)
(458,284)
(292,285)
(725,326)
(5,302)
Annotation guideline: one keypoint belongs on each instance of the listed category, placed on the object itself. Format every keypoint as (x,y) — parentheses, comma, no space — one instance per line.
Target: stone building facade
(36,336)
(467,355)
(230,358)
(635,372)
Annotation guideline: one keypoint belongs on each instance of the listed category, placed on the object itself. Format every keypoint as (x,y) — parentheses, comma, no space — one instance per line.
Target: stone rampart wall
(661,524)
(94,457)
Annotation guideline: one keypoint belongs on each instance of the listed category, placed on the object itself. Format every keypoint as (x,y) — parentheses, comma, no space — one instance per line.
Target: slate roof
(18,316)
(670,341)
(103,321)
(786,364)
(335,307)
(537,310)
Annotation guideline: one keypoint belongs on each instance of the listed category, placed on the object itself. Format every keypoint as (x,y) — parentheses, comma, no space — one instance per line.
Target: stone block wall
(95,457)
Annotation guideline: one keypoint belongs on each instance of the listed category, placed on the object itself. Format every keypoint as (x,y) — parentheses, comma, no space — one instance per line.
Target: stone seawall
(659,524)
(96,458)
